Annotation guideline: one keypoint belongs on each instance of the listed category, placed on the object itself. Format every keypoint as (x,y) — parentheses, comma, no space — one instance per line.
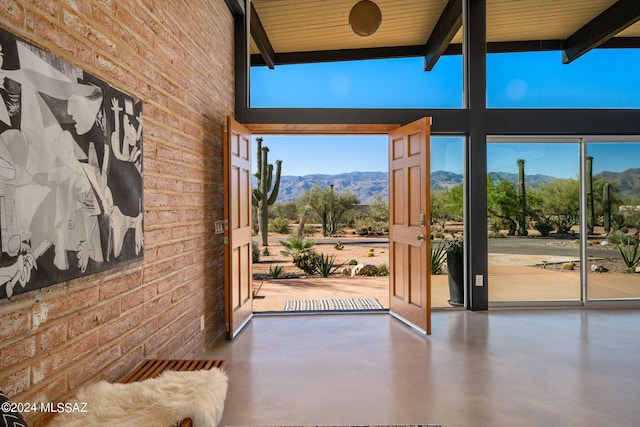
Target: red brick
(17,352)
(66,304)
(123,365)
(122,325)
(43,368)
(94,317)
(92,366)
(13,323)
(13,383)
(138,297)
(51,337)
(137,337)
(13,11)
(120,284)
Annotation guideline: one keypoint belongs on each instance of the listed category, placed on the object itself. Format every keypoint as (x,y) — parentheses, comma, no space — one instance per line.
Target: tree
(560,199)
(502,203)
(328,205)
(447,205)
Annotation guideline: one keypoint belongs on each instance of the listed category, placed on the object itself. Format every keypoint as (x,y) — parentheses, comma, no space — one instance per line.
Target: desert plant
(279,225)
(339,246)
(296,246)
(630,253)
(265,251)
(325,266)
(544,227)
(255,251)
(438,257)
(606,207)
(352,262)
(591,214)
(522,200)
(261,199)
(275,271)
(383,270)
(307,262)
(617,238)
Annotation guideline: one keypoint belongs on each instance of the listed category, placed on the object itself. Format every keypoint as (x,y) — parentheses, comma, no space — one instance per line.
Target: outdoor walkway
(507,283)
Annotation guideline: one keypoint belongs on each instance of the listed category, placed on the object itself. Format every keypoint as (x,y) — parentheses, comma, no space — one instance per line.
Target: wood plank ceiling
(316,30)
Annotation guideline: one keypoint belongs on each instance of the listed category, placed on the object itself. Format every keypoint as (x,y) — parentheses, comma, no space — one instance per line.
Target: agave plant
(325,266)
(630,252)
(438,256)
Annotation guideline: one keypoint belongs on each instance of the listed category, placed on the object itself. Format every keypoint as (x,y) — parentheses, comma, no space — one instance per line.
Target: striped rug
(350,304)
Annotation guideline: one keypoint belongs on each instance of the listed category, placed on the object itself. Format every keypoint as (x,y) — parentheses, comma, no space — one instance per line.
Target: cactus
(606,206)
(522,200)
(591,216)
(261,199)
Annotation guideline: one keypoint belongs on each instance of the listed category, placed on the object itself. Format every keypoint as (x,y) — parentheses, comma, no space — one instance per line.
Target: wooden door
(409,231)
(237,213)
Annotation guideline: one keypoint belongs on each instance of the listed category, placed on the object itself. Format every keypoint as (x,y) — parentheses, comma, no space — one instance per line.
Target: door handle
(421,237)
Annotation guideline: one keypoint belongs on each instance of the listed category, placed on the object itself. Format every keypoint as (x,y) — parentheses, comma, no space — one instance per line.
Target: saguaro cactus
(591,216)
(522,200)
(261,198)
(606,205)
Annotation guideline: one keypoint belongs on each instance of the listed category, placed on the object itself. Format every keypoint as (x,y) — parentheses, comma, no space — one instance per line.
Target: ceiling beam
(236,7)
(603,27)
(418,50)
(261,39)
(445,29)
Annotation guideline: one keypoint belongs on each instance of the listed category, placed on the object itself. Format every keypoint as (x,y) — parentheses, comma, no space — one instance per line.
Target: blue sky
(603,78)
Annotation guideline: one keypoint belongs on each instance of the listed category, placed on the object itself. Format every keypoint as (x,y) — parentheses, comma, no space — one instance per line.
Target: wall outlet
(202,323)
(479,280)
(219,227)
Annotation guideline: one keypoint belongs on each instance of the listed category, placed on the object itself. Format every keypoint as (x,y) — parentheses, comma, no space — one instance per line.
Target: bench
(153,367)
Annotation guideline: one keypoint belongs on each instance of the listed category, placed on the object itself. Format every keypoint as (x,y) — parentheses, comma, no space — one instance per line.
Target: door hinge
(226,326)
(226,224)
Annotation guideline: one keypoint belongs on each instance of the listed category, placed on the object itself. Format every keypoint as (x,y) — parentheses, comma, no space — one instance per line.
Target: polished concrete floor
(495,368)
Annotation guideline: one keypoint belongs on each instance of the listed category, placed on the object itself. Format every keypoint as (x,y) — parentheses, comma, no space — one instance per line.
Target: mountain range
(366,185)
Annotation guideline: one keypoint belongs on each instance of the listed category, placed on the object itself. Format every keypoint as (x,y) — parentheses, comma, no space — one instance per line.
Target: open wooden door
(237,213)
(409,231)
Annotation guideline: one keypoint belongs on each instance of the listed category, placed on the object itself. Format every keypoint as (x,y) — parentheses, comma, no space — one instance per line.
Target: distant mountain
(531,181)
(366,185)
(628,181)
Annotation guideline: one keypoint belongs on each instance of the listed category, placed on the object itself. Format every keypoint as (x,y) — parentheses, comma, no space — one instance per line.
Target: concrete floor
(495,368)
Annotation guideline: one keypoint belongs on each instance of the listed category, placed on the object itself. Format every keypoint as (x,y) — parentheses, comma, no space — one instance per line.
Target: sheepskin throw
(157,402)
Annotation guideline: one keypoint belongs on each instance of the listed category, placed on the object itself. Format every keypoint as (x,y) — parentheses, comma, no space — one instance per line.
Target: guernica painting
(71,176)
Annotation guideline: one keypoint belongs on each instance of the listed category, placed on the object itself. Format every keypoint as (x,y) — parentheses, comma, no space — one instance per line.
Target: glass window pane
(616,220)
(533,213)
(447,219)
(382,83)
(602,78)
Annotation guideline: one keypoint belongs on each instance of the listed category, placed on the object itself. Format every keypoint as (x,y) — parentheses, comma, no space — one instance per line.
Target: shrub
(339,246)
(352,262)
(275,271)
(265,251)
(617,237)
(306,262)
(279,225)
(544,227)
(383,270)
(255,251)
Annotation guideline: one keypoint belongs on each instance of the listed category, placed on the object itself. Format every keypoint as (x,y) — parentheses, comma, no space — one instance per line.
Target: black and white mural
(71,176)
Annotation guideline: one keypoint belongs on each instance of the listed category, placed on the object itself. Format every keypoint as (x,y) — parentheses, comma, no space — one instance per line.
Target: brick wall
(176,56)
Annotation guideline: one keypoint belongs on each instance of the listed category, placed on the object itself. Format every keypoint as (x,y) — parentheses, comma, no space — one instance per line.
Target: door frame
(322,129)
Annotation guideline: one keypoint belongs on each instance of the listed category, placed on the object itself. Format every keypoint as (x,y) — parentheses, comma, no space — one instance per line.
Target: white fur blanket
(156,402)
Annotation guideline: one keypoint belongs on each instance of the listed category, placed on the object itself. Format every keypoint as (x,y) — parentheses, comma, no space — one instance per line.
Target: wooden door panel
(237,212)
(410,281)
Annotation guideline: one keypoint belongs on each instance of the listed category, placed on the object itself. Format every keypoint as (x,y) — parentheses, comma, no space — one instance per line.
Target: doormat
(350,304)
